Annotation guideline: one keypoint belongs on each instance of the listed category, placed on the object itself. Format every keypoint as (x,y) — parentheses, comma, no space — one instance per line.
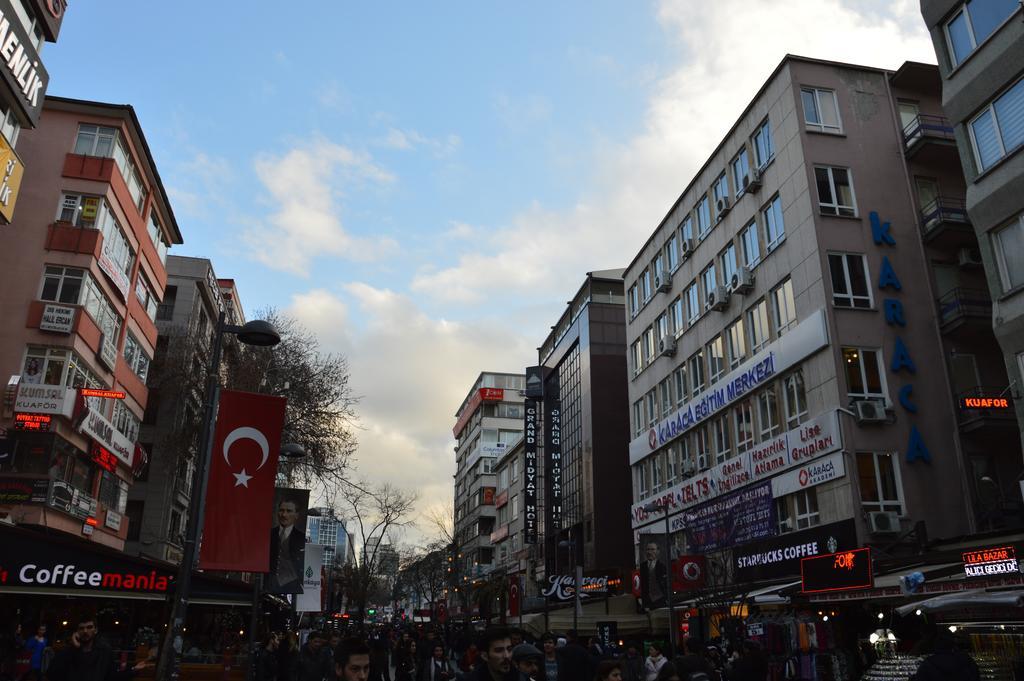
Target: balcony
(929,133)
(995,409)
(962,307)
(945,223)
(64,236)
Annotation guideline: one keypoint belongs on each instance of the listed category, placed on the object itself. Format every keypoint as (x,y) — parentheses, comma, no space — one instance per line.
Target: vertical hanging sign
(530,471)
(553,456)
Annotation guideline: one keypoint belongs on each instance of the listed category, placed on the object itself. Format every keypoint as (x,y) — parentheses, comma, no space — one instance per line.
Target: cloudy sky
(424,185)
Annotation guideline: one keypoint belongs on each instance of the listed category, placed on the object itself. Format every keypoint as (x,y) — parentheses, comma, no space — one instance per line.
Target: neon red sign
(104,458)
(841,571)
(105,394)
(40,422)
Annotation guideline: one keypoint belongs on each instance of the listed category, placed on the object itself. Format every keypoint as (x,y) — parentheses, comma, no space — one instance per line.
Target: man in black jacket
(496,655)
(86,658)
(947,663)
(287,551)
(314,661)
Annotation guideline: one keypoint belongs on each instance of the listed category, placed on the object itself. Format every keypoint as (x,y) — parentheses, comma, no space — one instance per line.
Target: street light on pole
(258,333)
(655,506)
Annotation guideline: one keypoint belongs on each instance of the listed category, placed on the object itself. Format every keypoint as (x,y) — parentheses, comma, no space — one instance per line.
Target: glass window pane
(824,187)
(959,37)
(827,104)
(858,277)
(1010,251)
(866,475)
(69,291)
(987,15)
(852,359)
(810,107)
(871,371)
(841,178)
(1010,114)
(986,140)
(887,477)
(837,270)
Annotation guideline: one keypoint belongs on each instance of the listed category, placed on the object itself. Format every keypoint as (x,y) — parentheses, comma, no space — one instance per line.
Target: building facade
(158,502)
(980,50)
(488,422)
(84,267)
(791,364)
(326,530)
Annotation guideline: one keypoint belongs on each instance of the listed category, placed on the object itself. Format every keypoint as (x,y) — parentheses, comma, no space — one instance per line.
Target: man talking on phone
(86,658)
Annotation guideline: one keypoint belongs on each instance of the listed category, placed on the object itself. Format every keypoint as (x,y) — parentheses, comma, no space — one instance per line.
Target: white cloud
(728,49)
(408,140)
(303,190)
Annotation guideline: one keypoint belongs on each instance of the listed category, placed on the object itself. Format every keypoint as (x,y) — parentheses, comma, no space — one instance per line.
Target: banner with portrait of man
(652,566)
(287,541)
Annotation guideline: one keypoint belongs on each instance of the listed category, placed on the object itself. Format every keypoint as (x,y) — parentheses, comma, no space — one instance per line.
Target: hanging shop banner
(95,425)
(240,491)
(553,459)
(779,557)
(530,471)
(989,562)
(11,172)
(310,598)
(842,571)
(71,500)
(44,399)
(288,541)
(731,520)
(20,66)
(58,318)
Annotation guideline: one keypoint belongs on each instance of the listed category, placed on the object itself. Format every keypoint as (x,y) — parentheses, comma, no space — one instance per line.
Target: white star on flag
(242,479)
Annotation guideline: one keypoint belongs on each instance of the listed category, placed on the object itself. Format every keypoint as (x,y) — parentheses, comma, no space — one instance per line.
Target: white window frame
(62,274)
(686,229)
(646,290)
(766,130)
(963,9)
(709,278)
(679,383)
(740,167)
(767,215)
(759,328)
(822,127)
(672,252)
(730,265)
(880,360)
(135,357)
(990,110)
(883,504)
(713,376)
(634,300)
(736,336)
(721,427)
(793,384)
(720,189)
(744,410)
(696,370)
(750,239)
(702,210)
(769,418)
(850,297)
(838,207)
(810,514)
(693,310)
(678,316)
(777,321)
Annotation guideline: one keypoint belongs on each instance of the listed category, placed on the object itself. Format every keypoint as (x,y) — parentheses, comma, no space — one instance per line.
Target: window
(999,128)
(686,229)
(692,303)
(80,210)
(657,476)
(806,502)
(864,375)
(679,381)
(744,417)
(675,465)
(709,279)
(514,503)
(156,235)
(768,413)
(125,421)
(100,309)
(641,470)
(737,343)
(757,323)
(672,252)
(62,284)
(879,478)
(651,407)
(764,151)
(702,447)
(751,247)
(144,292)
(662,325)
(503,479)
(696,364)
(678,316)
(645,286)
(658,265)
(639,424)
(850,286)
(783,515)
(636,355)
(774,227)
(93,212)
(650,345)
(723,446)
(634,301)
(821,110)
(976,21)
(95,140)
(720,190)
(10,126)
(716,358)
(110,491)
(135,357)
(703,216)
(835,191)
(514,467)
(795,395)
(667,401)
(52,366)
(728,259)
(1009,249)
(783,307)
(741,171)
(134,512)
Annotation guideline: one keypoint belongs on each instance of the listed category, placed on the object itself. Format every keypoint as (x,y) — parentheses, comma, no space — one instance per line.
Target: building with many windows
(792,366)
(84,274)
(488,422)
(980,50)
(325,529)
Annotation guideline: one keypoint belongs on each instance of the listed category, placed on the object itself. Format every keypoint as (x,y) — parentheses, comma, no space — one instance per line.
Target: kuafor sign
(37,398)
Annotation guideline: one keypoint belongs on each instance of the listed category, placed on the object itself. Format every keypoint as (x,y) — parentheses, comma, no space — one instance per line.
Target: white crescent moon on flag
(246,433)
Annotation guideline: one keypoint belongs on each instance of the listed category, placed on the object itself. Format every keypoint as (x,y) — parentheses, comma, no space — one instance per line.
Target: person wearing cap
(526,658)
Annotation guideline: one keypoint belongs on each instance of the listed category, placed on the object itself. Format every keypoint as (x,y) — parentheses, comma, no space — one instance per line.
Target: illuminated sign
(105,394)
(989,562)
(103,458)
(530,407)
(985,403)
(562,587)
(841,571)
(40,422)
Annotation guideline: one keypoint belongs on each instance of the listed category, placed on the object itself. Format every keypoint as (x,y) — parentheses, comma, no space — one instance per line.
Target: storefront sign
(807,338)
(108,351)
(51,14)
(561,587)
(840,571)
(780,556)
(809,475)
(20,66)
(23,490)
(553,460)
(731,520)
(479,397)
(795,448)
(989,562)
(986,403)
(113,520)
(689,573)
(11,172)
(530,471)
(102,394)
(58,318)
(118,278)
(45,399)
(535,381)
(36,422)
(70,500)
(493,448)
(103,458)
(96,426)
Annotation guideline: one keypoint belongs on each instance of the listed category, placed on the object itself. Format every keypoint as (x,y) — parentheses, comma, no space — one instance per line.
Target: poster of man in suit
(653,568)
(288,541)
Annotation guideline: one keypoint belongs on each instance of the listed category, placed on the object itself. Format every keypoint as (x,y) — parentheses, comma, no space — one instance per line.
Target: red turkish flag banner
(636,584)
(240,491)
(688,573)
(514,596)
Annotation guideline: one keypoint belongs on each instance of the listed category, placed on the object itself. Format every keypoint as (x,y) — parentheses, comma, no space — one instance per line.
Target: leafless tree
(376,514)
(424,574)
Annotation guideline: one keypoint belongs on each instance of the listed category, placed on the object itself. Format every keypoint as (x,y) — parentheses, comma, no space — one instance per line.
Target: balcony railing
(961,303)
(927,127)
(943,211)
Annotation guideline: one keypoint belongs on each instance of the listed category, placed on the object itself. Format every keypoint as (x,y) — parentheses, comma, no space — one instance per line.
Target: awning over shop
(966,599)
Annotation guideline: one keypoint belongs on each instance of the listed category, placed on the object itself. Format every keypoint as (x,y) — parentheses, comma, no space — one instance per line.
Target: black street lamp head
(259,332)
(293,450)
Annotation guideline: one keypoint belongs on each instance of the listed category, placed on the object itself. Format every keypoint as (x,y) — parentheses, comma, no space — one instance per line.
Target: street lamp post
(258,333)
(664,507)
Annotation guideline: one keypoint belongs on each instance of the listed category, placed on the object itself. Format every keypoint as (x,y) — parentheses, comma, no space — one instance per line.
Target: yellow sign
(11,170)
(90,206)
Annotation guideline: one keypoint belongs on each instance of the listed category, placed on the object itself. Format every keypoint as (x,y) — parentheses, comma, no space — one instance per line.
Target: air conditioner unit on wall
(883,522)
(969,257)
(663,282)
(870,411)
(718,298)
(702,462)
(742,280)
(667,345)
(723,206)
(687,248)
(752,182)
